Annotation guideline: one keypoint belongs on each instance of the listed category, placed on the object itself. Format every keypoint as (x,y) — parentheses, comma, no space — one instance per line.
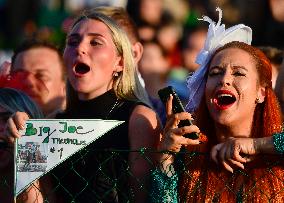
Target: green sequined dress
(163,187)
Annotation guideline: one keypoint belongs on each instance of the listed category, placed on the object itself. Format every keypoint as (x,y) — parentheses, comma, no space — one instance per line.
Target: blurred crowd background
(169,29)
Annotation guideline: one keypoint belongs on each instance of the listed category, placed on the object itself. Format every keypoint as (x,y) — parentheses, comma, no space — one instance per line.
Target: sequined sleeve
(278,142)
(163,187)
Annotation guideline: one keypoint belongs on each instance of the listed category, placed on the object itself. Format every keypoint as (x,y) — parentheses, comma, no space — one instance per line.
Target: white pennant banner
(46,143)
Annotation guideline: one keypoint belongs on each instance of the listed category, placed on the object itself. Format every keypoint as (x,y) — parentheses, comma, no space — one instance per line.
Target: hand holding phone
(177,107)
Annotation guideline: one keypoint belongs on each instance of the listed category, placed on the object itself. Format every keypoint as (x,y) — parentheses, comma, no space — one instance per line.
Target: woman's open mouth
(81,68)
(224,99)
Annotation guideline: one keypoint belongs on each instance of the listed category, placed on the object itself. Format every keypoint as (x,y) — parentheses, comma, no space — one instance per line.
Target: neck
(237,130)
(92,95)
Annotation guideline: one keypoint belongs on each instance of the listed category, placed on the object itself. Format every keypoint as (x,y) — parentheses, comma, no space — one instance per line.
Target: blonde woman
(103,84)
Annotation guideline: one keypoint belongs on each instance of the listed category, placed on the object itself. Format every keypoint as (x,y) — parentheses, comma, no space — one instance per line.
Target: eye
(72,41)
(239,73)
(43,77)
(95,42)
(215,71)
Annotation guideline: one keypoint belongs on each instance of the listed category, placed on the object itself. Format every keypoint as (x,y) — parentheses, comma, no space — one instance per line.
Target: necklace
(116,104)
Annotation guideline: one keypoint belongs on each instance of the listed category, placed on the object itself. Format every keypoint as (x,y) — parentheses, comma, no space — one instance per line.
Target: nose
(30,80)
(226,79)
(81,48)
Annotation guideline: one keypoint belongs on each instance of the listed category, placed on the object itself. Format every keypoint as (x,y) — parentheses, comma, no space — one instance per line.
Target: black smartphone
(177,107)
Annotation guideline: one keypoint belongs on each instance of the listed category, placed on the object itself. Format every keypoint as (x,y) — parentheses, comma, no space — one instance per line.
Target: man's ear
(137,49)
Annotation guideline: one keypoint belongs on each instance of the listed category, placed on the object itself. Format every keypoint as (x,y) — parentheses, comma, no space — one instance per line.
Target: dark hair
(273,54)
(34,43)
(14,100)
(188,32)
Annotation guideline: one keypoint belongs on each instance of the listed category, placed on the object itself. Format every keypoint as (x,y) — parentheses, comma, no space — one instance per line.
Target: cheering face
(232,87)
(40,71)
(91,58)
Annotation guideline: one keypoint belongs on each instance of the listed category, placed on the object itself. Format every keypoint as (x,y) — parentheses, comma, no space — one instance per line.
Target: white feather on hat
(217,36)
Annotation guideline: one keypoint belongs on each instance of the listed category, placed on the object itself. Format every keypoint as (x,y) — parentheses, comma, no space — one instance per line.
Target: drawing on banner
(31,157)
(44,144)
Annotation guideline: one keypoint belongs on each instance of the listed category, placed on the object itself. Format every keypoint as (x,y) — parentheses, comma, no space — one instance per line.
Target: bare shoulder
(142,115)
(144,127)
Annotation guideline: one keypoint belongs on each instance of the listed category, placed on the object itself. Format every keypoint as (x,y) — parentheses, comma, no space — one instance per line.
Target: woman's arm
(32,194)
(172,138)
(144,132)
(163,176)
(237,151)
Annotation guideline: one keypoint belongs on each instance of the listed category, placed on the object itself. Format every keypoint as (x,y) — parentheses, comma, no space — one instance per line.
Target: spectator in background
(148,15)
(43,66)
(150,11)
(193,42)
(154,68)
(11,101)
(169,34)
(276,57)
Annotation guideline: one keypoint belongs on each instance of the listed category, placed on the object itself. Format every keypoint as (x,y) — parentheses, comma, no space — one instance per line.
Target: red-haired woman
(237,102)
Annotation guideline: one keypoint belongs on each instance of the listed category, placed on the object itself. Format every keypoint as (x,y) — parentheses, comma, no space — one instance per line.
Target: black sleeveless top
(98,173)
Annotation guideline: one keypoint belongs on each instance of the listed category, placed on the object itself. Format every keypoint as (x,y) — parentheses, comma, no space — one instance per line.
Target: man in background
(44,71)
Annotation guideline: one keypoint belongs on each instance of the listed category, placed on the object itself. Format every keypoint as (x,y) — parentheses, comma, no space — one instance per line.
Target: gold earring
(257,101)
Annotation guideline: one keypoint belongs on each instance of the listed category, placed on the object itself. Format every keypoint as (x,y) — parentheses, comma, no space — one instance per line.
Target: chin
(223,119)
(80,87)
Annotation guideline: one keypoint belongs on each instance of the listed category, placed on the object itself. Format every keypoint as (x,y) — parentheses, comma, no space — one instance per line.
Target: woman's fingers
(14,123)
(174,139)
(214,152)
(174,119)
(236,156)
(11,129)
(228,155)
(236,163)
(230,164)
(20,119)
(227,167)
(185,130)
(188,141)
(169,105)
(222,159)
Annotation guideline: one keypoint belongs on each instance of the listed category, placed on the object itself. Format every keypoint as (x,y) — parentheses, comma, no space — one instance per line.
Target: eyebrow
(89,34)
(233,67)
(241,67)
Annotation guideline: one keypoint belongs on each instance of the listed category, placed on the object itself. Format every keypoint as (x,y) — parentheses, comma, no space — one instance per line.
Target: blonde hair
(126,85)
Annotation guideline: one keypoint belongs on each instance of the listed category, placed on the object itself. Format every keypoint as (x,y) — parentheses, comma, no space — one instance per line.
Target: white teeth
(225,95)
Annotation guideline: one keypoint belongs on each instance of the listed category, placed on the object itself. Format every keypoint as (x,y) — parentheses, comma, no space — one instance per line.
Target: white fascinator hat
(217,36)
